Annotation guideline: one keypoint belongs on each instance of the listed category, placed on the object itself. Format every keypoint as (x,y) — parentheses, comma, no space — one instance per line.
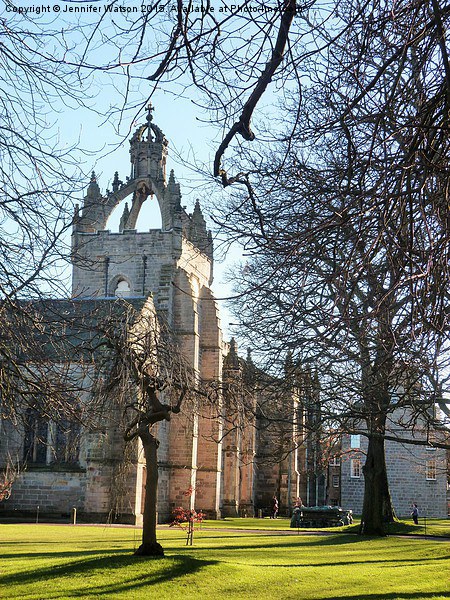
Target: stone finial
(124,218)
(116,182)
(198,221)
(288,364)
(249,356)
(197,210)
(93,190)
(210,248)
(250,370)
(198,234)
(76,216)
(175,194)
(232,359)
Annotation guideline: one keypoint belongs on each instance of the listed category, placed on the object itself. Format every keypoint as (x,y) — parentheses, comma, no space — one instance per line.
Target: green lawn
(435,527)
(56,562)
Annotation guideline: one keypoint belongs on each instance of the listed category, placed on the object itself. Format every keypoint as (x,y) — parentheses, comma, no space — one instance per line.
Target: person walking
(415,514)
(274,508)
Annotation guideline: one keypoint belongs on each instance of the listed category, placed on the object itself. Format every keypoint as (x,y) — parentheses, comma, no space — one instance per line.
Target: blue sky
(193,139)
(190,143)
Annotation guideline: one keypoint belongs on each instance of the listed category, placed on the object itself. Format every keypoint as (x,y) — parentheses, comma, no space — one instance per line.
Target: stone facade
(416,473)
(201,465)
(174,265)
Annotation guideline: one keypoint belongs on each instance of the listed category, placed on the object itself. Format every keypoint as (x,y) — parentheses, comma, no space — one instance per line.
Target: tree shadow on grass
(385,562)
(302,545)
(392,596)
(283,542)
(64,554)
(339,539)
(161,571)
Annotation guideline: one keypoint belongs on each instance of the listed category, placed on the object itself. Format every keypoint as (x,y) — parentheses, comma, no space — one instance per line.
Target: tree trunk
(377,507)
(150,546)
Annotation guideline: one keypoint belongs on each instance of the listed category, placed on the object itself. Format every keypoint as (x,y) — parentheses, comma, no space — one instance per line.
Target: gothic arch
(115,282)
(138,190)
(148,154)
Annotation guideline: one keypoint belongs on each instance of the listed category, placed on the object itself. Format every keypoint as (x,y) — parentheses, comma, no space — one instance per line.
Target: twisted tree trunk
(150,545)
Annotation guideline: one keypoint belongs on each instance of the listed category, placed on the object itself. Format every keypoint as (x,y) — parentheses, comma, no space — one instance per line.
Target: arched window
(122,289)
(47,442)
(66,442)
(36,438)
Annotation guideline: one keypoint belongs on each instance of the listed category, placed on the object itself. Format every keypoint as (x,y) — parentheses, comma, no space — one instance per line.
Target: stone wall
(406,468)
(55,493)
(104,258)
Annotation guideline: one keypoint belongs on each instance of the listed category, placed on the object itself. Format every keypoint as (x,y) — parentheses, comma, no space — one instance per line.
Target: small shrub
(186,519)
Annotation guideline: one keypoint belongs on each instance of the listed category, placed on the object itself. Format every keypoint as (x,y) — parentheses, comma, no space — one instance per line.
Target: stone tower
(175,265)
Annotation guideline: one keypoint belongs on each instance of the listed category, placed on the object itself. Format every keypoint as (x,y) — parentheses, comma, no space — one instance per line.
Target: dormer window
(122,289)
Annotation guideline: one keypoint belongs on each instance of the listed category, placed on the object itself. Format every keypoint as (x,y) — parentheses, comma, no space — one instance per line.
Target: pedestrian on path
(274,512)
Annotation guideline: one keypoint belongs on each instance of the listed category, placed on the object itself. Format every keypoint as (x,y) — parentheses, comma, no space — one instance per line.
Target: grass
(433,527)
(45,562)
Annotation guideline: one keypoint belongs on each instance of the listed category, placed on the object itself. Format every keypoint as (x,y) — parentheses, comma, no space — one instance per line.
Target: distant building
(416,473)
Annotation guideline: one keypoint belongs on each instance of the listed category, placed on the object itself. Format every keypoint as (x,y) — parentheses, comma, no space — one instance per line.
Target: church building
(263,440)
(203,461)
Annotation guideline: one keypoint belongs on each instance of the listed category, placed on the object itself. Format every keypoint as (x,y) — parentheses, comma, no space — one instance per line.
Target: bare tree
(7,477)
(39,172)
(370,141)
(228,56)
(232,57)
(326,279)
(346,229)
(146,378)
(349,259)
(39,178)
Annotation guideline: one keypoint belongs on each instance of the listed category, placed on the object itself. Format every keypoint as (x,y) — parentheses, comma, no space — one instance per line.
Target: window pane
(355,441)
(355,468)
(35,440)
(431,469)
(67,442)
